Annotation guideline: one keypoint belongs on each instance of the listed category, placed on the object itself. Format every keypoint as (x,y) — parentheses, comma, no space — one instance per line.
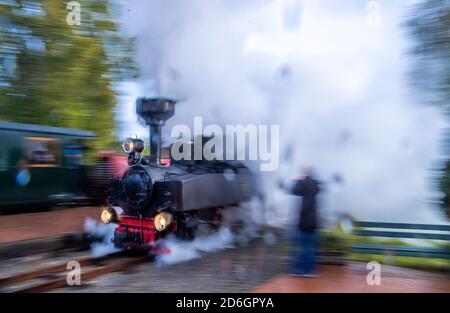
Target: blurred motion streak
(62,75)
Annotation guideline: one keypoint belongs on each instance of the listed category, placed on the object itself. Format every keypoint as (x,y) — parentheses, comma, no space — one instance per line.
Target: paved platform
(25,226)
(352,278)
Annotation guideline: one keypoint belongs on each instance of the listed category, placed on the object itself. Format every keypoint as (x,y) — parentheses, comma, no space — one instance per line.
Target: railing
(397,230)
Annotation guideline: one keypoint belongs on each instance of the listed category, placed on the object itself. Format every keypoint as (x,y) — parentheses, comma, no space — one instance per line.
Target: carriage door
(5,191)
(73,160)
(42,157)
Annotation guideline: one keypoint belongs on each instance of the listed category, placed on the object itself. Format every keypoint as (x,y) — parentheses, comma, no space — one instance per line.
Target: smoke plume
(335,83)
(101,235)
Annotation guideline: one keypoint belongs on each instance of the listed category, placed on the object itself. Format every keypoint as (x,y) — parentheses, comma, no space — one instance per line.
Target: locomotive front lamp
(162,221)
(127,146)
(105,216)
(131,145)
(108,215)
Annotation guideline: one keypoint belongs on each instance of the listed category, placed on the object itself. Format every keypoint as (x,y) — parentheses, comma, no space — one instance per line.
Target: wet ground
(260,265)
(353,278)
(44,224)
(238,269)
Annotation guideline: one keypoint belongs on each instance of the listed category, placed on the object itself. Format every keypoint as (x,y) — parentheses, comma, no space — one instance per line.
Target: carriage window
(42,151)
(73,153)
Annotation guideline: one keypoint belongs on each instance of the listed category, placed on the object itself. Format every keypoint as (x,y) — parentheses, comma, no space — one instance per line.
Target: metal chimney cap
(155,110)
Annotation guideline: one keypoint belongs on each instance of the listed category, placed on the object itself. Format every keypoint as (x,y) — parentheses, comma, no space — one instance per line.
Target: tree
(430,27)
(59,74)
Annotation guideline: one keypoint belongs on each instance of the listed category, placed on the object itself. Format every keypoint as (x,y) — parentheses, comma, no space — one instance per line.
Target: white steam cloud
(103,234)
(336,85)
(182,251)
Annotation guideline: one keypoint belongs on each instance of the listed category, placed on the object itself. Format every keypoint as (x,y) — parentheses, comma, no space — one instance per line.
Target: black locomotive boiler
(153,199)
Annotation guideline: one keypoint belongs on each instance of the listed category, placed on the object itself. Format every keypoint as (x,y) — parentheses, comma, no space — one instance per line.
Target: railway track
(51,277)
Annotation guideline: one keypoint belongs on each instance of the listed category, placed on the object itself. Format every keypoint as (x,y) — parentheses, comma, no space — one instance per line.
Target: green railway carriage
(40,165)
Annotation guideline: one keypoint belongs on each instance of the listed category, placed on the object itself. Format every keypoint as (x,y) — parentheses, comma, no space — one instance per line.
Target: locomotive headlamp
(131,145)
(162,221)
(108,215)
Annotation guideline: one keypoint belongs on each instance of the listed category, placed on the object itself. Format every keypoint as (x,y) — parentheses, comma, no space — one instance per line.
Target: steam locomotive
(153,199)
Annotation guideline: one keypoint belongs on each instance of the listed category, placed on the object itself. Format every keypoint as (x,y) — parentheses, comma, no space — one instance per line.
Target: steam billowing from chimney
(334,83)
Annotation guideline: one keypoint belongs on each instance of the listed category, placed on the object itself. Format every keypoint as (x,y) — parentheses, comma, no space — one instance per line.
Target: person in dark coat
(306,235)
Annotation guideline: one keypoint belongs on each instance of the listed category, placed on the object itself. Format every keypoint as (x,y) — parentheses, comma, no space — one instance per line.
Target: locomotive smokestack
(155,112)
